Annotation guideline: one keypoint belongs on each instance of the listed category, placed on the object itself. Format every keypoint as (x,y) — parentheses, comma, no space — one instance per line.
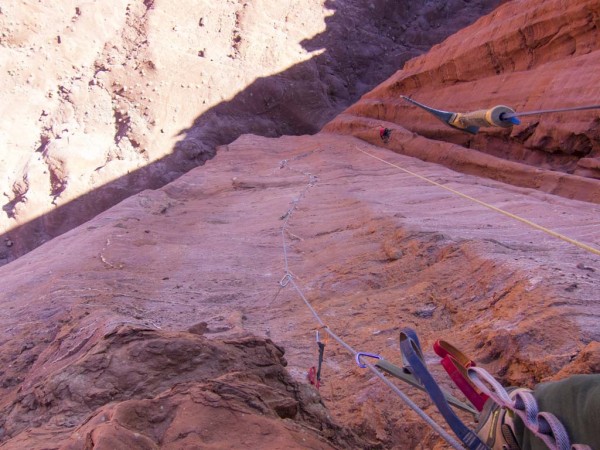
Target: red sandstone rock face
(528,55)
(151,325)
(161,323)
(101,101)
(139,388)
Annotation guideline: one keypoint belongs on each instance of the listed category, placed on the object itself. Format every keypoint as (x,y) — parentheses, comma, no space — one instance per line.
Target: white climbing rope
(543,424)
(289,278)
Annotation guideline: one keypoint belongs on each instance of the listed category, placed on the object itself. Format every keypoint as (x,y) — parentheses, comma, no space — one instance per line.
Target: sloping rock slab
(144,389)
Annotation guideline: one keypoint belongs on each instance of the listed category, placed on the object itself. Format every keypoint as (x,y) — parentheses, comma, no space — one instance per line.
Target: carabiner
(370,355)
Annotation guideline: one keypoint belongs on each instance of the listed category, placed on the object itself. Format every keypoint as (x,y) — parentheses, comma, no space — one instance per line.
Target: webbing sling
(402,374)
(411,352)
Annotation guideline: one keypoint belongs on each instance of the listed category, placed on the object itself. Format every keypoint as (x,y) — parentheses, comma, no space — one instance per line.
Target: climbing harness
(496,423)
(521,402)
(579,244)
(498,116)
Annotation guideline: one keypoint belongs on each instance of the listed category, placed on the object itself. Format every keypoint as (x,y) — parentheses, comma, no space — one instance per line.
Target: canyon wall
(101,101)
(526,55)
(180,316)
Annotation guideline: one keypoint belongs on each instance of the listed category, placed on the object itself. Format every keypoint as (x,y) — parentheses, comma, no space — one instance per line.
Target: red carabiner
(456,364)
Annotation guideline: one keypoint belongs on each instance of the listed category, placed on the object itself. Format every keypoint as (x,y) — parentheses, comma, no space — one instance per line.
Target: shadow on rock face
(364,43)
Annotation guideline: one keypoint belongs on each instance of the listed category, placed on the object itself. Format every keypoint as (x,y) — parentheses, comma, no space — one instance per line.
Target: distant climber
(384,134)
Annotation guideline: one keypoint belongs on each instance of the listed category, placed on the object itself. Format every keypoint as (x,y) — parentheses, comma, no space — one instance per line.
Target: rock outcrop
(140,388)
(526,55)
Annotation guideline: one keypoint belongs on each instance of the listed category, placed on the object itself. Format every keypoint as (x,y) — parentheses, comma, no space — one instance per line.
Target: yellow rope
(493,208)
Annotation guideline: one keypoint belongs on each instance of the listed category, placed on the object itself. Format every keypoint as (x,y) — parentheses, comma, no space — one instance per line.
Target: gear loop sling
(543,425)
(410,348)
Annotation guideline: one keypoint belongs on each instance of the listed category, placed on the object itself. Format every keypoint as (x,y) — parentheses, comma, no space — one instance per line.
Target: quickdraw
(405,374)
(314,374)
(482,391)
(410,348)
(456,365)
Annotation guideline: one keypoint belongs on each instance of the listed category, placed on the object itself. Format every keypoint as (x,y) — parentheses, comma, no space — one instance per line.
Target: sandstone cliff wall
(101,101)
(528,55)
(163,322)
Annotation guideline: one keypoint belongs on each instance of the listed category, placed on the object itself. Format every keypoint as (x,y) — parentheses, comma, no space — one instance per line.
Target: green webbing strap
(400,373)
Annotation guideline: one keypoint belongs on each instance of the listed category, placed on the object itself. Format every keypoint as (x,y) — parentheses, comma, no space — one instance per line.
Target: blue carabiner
(370,355)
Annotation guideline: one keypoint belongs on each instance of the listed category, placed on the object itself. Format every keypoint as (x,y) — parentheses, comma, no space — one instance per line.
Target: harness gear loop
(521,402)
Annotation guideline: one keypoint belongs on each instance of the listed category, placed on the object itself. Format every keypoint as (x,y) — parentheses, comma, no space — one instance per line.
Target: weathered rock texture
(145,388)
(102,100)
(95,324)
(528,55)
(162,322)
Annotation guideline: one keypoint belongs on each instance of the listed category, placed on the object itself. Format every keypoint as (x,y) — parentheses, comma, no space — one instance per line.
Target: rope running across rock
(579,244)
(289,278)
(544,425)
